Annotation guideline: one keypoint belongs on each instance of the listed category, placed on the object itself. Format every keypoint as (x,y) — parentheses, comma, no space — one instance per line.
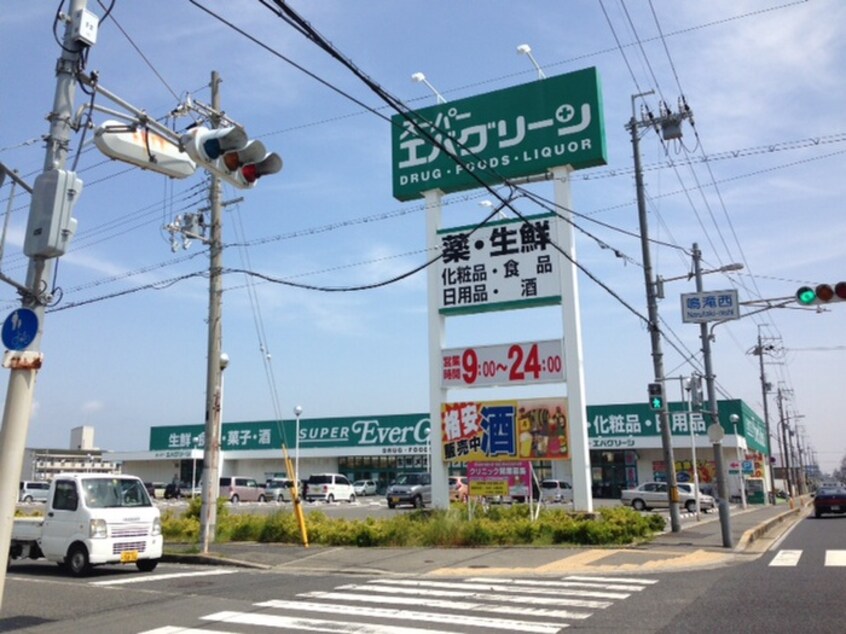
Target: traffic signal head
(229,154)
(821,294)
(656,396)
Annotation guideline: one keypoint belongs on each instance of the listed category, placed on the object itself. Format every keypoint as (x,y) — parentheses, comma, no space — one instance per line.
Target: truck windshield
(114,492)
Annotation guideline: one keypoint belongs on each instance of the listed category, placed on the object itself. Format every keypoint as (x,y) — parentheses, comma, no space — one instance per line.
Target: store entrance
(608,471)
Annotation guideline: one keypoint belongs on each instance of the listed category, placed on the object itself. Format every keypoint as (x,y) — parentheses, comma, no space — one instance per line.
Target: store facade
(625,448)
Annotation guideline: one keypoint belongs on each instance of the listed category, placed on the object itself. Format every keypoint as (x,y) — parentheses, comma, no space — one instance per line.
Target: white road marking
(575,583)
(465,606)
(646,582)
(172,629)
(786,558)
(410,615)
(835,558)
(173,575)
(288,623)
(497,587)
(485,596)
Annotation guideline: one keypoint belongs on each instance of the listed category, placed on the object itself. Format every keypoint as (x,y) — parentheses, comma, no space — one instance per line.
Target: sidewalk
(697,545)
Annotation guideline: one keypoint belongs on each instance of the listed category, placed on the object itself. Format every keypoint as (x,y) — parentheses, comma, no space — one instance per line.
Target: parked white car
(329,487)
(650,495)
(33,491)
(556,491)
(364,487)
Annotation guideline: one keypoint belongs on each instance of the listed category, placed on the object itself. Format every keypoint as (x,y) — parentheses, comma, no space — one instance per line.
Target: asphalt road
(795,586)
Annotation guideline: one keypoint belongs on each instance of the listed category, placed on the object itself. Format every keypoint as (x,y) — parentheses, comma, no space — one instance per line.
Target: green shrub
(496,525)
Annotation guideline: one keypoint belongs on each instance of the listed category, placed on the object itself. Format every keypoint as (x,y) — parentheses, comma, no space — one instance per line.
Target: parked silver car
(650,495)
(279,489)
(410,488)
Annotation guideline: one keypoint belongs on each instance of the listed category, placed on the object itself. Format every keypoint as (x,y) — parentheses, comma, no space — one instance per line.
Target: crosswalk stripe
(786,558)
(486,596)
(172,629)
(835,558)
(508,588)
(561,584)
(409,615)
(315,625)
(466,606)
(172,575)
(646,582)
(383,606)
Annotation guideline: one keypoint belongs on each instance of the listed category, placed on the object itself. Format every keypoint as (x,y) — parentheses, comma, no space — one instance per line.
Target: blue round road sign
(20,329)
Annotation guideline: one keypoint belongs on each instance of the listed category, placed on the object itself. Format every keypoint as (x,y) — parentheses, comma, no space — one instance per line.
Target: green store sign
(405,430)
(628,425)
(621,426)
(517,131)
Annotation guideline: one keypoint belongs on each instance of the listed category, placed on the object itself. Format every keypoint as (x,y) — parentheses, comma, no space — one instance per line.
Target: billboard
(526,429)
(508,133)
(501,265)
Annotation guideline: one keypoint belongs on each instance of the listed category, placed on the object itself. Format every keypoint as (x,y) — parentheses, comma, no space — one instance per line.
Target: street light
(659,281)
(297,413)
(420,78)
(525,49)
(734,418)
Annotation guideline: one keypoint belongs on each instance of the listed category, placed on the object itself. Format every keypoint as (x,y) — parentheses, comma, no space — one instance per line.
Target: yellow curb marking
(585,562)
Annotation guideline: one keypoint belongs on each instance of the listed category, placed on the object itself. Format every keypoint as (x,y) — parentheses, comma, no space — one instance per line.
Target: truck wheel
(391,505)
(261,499)
(147,565)
(77,560)
(28,499)
(234,499)
(418,502)
(352,498)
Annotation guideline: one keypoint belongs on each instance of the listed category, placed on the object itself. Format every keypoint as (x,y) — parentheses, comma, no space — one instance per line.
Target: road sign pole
(717,435)
(24,364)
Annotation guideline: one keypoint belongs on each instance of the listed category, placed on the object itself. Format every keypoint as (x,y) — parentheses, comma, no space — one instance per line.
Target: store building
(625,448)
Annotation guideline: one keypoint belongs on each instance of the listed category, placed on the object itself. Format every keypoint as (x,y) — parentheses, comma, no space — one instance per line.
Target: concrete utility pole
(786,448)
(24,365)
(654,328)
(211,448)
(715,433)
(759,350)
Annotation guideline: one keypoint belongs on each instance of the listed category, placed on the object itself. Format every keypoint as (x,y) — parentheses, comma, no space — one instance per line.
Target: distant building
(82,457)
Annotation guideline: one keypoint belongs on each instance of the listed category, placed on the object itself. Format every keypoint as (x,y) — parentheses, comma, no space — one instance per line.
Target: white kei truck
(89,520)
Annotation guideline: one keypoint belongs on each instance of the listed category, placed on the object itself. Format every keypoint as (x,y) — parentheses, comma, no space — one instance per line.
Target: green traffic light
(806,295)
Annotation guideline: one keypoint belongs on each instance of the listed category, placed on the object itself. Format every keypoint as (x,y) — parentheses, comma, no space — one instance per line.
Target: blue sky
(765,80)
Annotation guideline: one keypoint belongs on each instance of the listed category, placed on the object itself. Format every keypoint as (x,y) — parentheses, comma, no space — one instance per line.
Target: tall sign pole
(211,448)
(574,354)
(715,430)
(437,394)
(25,363)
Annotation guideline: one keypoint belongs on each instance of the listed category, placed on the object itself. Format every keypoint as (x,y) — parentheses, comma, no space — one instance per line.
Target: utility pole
(24,364)
(211,448)
(786,453)
(652,307)
(759,350)
(715,431)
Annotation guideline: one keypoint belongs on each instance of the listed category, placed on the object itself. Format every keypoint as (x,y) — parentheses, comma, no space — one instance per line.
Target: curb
(211,560)
(754,534)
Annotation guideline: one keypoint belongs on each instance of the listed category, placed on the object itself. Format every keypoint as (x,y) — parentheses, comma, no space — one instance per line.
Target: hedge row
(496,526)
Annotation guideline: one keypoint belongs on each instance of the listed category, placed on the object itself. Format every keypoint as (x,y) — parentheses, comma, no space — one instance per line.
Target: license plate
(836,509)
(129,556)
(395,500)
